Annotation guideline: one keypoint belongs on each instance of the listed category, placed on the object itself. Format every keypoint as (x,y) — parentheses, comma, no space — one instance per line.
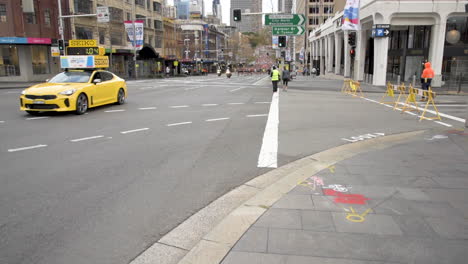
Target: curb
(207,236)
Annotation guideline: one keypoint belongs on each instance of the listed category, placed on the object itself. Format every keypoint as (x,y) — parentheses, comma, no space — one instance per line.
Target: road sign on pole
(288,30)
(380,30)
(102,13)
(285,20)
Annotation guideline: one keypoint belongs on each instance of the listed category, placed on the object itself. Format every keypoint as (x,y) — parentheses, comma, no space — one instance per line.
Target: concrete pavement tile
(293,201)
(280,218)
(235,257)
(462,207)
(416,208)
(399,249)
(304,190)
(325,203)
(411,194)
(414,226)
(254,240)
(317,221)
(373,224)
(453,181)
(309,260)
(448,227)
(439,194)
(373,192)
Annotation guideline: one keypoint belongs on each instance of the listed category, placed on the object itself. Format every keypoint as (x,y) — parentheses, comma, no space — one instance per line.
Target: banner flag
(351,15)
(139,32)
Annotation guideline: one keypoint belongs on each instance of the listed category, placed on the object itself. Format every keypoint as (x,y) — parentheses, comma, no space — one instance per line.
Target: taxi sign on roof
(82,43)
(87,62)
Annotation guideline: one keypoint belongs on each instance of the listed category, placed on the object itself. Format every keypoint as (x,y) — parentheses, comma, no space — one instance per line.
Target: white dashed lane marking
(147,108)
(217,119)
(237,89)
(257,115)
(27,148)
(36,118)
(236,103)
(86,138)
(209,104)
(134,130)
(2,122)
(262,102)
(179,106)
(178,124)
(113,111)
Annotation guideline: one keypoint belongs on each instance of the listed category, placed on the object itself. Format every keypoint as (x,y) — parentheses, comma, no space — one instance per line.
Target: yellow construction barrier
(389,93)
(356,88)
(410,102)
(402,94)
(346,86)
(430,101)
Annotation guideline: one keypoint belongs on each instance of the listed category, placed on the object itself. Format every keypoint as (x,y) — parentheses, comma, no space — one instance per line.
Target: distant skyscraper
(217,9)
(285,6)
(251,23)
(183,9)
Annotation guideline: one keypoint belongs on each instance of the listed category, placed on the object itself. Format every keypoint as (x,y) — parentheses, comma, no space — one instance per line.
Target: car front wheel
(81,104)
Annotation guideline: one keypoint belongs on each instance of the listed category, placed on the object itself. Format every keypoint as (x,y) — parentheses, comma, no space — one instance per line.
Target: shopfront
(26,59)
(455,61)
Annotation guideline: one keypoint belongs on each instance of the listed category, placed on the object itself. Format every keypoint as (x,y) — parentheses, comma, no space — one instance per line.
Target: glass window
(129,16)
(71,77)
(83,7)
(457,31)
(158,42)
(3,13)
(47,17)
(116,14)
(84,33)
(148,5)
(40,59)
(30,18)
(9,62)
(314,10)
(158,24)
(106,76)
(328,9)
(140,3)
(157,7)
(116,38)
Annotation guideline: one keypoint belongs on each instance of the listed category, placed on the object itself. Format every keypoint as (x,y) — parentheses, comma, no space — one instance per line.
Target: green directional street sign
(285,20)
(288,30)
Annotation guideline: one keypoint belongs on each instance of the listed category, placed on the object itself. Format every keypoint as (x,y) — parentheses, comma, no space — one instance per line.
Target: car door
(111,90)
(100,89)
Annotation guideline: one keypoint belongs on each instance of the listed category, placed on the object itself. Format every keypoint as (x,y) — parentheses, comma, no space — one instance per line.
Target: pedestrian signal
(237,16)
(282,41)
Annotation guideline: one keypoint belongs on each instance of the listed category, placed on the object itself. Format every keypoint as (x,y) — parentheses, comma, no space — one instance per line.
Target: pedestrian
(168,71)
(286,75)
(275,77)
(426,78)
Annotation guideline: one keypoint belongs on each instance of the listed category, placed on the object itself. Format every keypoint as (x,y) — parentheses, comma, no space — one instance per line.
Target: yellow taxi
(74,90)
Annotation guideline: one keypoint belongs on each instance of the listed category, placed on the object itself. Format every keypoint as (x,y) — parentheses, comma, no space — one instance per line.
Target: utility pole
(134,40)
(61,29)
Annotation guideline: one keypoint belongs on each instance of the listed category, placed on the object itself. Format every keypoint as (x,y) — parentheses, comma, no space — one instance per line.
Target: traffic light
(237,16)
(61,45)
(352,52)
(352,39)
(282,41)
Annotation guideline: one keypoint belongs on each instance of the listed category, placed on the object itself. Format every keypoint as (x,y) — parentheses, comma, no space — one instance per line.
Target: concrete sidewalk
(404,204)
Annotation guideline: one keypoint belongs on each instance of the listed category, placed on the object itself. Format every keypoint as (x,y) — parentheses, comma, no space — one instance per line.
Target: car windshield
(71,77)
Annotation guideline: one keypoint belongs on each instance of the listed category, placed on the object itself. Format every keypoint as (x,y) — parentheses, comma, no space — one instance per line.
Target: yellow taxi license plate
(38,102)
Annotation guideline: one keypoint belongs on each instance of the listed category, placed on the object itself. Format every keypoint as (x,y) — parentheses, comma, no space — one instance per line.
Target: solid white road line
(441,114)
(113,111)
(86,138)
(258,115)
(217,119)
(178,106)
(268,157)
(178,124)
(236,103)
(147,108)
(262,102)
(209,104)
(134,130)
(444,124)
(36,118)
(26,148)
(410,113)
(237,89)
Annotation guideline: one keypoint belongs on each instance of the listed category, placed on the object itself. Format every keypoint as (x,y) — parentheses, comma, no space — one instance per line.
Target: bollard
(398,79)
(414,80)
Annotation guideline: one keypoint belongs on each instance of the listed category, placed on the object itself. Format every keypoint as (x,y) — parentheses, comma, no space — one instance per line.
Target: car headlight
(23,92)
(68,92)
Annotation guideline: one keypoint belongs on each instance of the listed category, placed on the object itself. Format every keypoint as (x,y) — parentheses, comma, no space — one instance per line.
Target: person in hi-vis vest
(275,77)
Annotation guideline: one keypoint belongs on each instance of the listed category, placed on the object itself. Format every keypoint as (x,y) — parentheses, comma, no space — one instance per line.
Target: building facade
(249,23)
(416,34)
(27,31)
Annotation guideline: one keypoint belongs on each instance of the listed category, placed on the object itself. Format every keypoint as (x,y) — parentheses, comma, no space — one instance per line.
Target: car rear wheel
(81,104)
(34,113)
(121,97)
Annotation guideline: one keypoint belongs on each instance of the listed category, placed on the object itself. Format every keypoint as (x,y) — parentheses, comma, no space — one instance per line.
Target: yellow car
(74,90)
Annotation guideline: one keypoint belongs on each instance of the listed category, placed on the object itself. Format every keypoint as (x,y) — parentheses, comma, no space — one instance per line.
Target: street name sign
(380,30)
(288,30)
(285,20)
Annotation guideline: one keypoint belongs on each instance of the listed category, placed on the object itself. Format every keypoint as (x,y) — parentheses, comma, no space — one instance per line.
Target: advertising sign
(274,42)
(102,13)
(55,51)
(84,61)
(139,32)
(351,15)
(82,43)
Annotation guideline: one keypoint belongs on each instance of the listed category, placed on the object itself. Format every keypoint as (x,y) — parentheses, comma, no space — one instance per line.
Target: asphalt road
(102,187)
